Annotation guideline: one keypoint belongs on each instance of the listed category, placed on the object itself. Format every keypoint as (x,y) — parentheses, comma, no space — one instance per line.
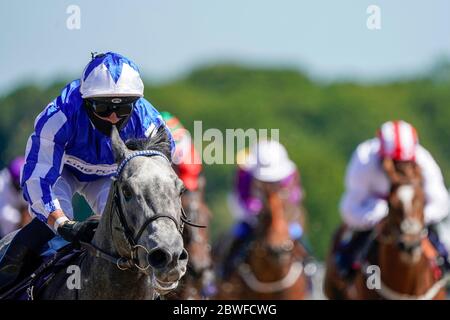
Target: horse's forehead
(406,193)
(150,165)
(148,173)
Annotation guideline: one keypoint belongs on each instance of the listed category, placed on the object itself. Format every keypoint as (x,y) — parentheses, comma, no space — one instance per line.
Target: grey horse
(137,251)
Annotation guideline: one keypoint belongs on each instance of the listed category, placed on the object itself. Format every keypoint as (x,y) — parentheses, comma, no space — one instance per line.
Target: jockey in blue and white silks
(70,152)
(66,144)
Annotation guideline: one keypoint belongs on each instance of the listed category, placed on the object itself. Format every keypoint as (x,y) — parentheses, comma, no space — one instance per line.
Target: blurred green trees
(320,124)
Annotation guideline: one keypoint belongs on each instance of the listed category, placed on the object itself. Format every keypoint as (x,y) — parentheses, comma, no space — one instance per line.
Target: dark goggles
(104,107)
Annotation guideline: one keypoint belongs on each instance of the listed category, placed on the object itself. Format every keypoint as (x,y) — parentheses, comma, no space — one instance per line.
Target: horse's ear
(161,142)
(119,148)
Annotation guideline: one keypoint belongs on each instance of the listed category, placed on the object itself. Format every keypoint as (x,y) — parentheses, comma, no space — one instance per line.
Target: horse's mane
(160,141)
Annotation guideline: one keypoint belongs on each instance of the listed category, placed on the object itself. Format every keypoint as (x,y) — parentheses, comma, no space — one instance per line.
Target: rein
(121,262)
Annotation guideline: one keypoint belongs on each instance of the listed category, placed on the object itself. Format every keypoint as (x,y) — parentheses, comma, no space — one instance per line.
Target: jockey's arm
(56,219)
(43,165)
(360,208)
(437,199)
(362,211)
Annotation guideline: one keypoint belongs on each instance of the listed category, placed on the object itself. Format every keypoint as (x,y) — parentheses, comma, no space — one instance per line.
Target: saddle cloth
(55,256)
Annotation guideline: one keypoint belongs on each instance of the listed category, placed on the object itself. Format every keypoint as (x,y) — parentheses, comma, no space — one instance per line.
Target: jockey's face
(111,109)
(263,189)
(113,118)
(402,165)
(400,170)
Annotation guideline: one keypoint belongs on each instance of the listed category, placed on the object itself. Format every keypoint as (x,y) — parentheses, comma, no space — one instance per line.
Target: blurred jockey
(70,151)
(12,203)
(266,162)
(364,202)
(187,162)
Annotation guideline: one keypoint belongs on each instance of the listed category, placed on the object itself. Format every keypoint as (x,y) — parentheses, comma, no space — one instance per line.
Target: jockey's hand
(75,231)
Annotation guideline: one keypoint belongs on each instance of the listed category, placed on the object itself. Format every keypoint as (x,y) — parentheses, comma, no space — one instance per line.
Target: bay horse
(272,266)
(137,251)
(400,249)
(199,276)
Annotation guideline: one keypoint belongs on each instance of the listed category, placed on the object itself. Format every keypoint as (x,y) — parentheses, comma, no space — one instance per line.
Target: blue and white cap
(111,75)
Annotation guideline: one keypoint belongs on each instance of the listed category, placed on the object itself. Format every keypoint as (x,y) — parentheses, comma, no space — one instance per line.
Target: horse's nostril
(183,255)
(158,258)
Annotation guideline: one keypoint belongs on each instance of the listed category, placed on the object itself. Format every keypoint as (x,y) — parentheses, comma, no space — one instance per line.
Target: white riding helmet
(398,141)
(269,161)
(111,75)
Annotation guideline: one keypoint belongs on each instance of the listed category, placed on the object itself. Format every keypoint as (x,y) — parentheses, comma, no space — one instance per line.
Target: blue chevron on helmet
(111,75)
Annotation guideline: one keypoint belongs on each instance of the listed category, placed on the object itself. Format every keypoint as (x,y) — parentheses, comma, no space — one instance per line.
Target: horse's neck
(400,274)
(104,238)
(109,282)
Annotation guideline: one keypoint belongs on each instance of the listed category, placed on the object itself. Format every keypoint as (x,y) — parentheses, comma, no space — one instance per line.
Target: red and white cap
(398,141)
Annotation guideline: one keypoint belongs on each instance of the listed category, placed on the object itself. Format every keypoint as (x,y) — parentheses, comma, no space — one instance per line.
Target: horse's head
(273,226)
(406,205)
(149,220)
(274,264)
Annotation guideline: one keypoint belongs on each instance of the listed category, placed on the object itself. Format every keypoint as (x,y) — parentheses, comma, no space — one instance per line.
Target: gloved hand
(74,231)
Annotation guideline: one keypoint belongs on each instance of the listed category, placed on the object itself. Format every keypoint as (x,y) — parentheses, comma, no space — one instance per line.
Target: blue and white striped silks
(64,137)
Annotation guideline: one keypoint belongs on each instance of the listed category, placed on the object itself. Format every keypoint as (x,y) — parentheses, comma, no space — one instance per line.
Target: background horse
(272,262)
(137,250)
(401,248)
(199,275)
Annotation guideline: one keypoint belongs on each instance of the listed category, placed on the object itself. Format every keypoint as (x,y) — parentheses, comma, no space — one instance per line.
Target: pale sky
(167,38)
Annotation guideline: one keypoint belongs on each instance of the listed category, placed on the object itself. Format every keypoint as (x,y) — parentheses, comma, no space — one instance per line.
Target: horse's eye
(127,194)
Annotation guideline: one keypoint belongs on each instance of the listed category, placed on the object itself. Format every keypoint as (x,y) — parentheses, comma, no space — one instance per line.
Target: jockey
(11,200)
(186,159)
(364,202)
(267,162)
(70,151)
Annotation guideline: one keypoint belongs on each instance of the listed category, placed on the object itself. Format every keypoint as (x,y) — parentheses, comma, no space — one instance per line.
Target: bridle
(132,238)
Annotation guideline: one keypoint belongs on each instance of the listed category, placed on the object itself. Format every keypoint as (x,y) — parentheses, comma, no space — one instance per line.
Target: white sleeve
(436,194)
(360,209)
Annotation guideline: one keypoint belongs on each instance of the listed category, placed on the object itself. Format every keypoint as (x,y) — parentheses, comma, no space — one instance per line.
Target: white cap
(269,161)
